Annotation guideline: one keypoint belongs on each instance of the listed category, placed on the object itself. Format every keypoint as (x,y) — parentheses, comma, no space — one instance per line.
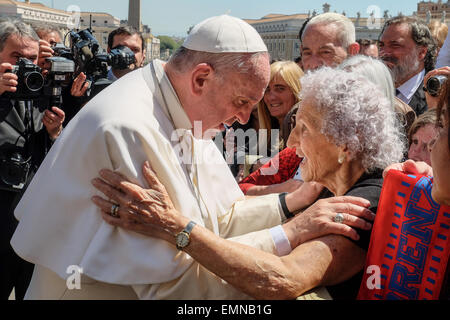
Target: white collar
(408,89)
(166,95)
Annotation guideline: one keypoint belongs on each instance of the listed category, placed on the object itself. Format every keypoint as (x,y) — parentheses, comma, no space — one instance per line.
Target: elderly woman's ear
(345,155)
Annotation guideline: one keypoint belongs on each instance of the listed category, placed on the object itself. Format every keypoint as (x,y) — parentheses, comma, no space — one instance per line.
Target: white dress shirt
(406,91)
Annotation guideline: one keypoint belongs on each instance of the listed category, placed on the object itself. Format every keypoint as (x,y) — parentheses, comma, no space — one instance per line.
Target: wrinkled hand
(411,167)
(318,220)
(8,81)
(79,86)
(146,211)
(53,122)
(432,102)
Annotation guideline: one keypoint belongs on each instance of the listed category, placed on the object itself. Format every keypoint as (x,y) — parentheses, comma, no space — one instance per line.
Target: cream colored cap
(224,34)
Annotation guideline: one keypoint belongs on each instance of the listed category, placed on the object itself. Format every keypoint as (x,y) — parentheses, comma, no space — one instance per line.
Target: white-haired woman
(377,72)
(346,132)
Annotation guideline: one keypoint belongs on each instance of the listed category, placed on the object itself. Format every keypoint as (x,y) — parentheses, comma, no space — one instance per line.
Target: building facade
(153,48)
(102,24)
(439,10)
(280,32)
(35,13)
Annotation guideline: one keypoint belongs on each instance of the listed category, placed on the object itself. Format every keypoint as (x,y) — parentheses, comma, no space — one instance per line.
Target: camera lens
(434,84)
(34,81)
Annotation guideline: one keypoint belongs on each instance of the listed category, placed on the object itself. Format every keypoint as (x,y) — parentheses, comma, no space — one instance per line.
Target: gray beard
(401,71)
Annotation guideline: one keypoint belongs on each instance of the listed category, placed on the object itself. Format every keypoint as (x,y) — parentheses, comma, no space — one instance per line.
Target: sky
(174,17)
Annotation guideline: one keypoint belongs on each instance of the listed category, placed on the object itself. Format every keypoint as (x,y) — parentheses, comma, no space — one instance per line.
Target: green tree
(168,43)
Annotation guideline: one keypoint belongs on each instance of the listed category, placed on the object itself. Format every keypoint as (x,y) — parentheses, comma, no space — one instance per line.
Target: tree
(168,43)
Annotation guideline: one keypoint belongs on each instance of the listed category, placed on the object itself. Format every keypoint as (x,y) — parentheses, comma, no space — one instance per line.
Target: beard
(401,70)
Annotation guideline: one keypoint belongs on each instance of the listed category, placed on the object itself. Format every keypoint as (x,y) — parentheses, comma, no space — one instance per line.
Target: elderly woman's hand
(321,219)
(146,211)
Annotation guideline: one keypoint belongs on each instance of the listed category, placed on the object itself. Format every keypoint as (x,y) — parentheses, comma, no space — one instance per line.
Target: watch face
(182,240)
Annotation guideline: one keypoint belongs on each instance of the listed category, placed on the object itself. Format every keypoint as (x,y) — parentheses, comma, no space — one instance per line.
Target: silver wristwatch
(183,238)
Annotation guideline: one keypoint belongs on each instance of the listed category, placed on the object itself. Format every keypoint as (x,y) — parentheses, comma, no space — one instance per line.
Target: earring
(341,159)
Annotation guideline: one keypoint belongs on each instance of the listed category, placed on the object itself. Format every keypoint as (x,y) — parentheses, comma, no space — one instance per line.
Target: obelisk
(134,14)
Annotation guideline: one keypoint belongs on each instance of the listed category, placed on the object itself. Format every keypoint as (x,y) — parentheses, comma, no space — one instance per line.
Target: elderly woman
(285,180)
(346,133)
(377,72)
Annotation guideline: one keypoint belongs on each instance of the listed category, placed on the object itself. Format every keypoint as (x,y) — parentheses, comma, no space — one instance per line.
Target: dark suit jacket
(12,129)
(418,102)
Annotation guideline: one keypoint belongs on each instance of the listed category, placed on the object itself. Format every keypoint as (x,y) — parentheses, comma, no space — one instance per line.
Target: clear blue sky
(173,17)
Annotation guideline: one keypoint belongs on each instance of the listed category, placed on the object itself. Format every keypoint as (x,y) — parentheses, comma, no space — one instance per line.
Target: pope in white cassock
(149,115)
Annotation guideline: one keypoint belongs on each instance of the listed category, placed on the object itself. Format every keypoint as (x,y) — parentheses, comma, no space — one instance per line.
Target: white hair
(346,28)
(356,115)
(9,27)
(374,70)
(184,59)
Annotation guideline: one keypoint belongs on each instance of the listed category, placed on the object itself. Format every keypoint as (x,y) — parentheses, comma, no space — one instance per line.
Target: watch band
(189,227)
(286,211)
(184,234)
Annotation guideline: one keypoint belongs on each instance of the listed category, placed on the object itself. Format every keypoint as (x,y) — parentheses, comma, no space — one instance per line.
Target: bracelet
(286,211)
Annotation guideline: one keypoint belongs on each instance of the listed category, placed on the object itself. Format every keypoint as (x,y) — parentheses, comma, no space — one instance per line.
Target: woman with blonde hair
(439,32)
(280,97)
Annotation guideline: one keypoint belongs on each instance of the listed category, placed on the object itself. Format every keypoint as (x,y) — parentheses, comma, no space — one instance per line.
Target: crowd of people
(155,210)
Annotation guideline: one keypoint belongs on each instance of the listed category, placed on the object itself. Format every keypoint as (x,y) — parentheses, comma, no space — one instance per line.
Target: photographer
(131,38)
(49,37)
(26,132)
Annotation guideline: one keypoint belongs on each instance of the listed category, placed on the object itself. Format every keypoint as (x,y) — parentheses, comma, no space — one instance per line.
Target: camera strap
(29,126)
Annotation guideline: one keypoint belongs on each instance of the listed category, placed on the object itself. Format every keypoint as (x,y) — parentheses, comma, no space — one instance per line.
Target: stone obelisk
(134,14)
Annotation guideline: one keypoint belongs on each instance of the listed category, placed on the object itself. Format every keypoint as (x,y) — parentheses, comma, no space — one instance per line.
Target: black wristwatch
(183,238)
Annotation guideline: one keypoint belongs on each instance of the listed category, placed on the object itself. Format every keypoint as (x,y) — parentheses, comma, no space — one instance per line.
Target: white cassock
(132,121)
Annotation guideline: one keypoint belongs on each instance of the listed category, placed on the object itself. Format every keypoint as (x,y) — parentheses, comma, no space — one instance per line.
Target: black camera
(14,172)
(60,50)
(121,57)
(59,76)
(434,85)
(93,63)
(30,80)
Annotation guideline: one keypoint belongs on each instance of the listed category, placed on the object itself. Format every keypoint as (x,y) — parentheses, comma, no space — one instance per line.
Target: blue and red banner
(409,245)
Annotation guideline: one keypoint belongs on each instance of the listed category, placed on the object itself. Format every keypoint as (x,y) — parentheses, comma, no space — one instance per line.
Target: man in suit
(409,51)
(25,132)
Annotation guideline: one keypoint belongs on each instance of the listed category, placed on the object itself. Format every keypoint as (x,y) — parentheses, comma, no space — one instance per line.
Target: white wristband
(281,241)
